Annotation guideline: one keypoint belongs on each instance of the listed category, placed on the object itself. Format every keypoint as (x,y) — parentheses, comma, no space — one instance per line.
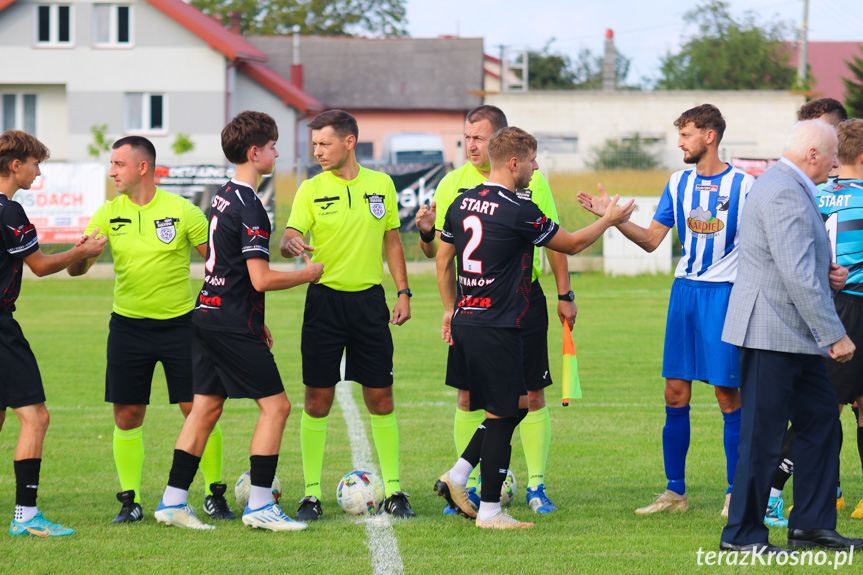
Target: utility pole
(802,50)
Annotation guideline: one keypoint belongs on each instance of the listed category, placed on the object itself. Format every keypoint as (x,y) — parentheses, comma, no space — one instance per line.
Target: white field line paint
(380,537)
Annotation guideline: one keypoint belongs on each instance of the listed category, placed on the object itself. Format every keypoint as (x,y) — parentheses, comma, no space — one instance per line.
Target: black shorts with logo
(534,337)
(357,321)
(21,382)
(232,364)
(847,378)
(134,348)
(492,359)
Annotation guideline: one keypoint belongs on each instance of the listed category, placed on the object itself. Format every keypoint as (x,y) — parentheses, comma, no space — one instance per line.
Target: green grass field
(605,456)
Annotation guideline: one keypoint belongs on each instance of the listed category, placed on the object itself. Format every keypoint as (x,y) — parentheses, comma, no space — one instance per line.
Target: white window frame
(54,26)
(19,123)
(146,119)
(113,26)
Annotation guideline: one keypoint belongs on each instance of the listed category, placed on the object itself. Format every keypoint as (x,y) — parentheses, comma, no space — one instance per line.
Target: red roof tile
(281,87)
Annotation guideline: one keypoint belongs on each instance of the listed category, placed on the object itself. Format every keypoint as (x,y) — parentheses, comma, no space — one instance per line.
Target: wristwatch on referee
(569,296)
(407,291)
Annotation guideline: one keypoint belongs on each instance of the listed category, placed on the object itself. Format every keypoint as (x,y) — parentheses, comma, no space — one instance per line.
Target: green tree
(628,154)
(377,18)
(549,70)
(100,143)
(729,54)
(854,87)
(183,144)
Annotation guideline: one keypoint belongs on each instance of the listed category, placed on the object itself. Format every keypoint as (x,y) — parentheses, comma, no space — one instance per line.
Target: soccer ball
(360,493)
(507,490)
(244,486)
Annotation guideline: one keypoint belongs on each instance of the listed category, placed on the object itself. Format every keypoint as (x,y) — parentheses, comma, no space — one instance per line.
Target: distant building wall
(572,123)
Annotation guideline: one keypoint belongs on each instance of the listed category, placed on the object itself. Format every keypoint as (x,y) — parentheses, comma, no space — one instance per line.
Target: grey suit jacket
(781,299)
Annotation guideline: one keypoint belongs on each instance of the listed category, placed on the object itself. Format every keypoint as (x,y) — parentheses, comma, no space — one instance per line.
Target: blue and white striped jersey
(706,212)
(841,206)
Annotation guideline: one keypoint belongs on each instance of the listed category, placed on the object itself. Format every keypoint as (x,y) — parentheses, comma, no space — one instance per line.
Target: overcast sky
(643,30)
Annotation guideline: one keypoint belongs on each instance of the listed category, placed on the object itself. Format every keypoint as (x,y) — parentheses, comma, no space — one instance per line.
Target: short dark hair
(342,123)
(818,107)
(247,129)
(510,143)
(493,114)
(704,117)
(141,145)
(18,145)
(850,136)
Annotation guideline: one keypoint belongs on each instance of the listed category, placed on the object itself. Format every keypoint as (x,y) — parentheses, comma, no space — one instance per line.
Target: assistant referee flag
(571,385)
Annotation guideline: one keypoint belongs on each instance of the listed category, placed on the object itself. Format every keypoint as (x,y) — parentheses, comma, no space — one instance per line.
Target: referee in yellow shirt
(350,212)
(150,232)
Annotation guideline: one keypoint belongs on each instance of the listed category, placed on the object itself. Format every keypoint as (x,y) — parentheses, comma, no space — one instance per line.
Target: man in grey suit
(781,315)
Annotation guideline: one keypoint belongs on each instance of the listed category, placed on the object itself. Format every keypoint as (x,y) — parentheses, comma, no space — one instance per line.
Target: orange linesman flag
(571,385)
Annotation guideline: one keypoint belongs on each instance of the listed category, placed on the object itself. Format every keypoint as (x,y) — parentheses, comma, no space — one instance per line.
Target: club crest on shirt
(376,205)
(165,230)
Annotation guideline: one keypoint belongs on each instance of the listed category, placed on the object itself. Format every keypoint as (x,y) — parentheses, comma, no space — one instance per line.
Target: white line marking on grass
(380,537)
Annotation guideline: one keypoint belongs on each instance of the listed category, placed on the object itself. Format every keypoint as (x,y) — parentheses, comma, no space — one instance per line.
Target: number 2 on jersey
(474,224)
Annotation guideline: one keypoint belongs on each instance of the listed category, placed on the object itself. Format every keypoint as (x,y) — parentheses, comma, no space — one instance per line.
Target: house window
(18,112)
(53,25)
(145,112)
(365,151)
(112,25)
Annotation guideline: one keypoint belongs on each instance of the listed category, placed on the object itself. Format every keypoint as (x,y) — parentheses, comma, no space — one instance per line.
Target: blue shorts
(694,349)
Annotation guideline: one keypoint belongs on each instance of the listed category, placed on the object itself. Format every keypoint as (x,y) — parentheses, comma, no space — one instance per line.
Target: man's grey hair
(809,134)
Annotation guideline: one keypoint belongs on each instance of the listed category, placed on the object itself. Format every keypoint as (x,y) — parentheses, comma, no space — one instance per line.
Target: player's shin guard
(731,439)
(385,433)
(496,451)
(464,427)
(129,458)
(262,470)
(313,437)
(26,481)
(675,445)
(535,432)
(211,460)
(182,474)
(786,461)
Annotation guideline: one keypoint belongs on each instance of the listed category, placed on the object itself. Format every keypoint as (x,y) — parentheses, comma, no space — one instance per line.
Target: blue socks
(731,438)
(675,444)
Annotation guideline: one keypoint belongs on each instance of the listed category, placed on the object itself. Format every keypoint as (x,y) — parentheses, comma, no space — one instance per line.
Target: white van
(412,149)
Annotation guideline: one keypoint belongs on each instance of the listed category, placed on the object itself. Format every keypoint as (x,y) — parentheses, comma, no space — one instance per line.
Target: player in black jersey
(492,233)
(21,383)
(230,343)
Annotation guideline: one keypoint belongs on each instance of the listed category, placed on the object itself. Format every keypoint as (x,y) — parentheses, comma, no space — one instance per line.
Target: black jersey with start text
(494,233)
(18,240)
(239,230)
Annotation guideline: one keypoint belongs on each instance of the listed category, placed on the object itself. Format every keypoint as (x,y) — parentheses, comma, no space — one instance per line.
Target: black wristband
(427,238)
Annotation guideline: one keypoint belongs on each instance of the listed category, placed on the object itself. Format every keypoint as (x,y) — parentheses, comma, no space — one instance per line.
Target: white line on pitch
(380,537)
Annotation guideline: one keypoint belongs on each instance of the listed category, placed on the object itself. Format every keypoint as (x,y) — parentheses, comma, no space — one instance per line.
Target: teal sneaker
(775,517)
(538,500)
(39,527)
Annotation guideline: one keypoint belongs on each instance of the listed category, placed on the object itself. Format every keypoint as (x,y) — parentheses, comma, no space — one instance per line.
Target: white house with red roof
(156,68)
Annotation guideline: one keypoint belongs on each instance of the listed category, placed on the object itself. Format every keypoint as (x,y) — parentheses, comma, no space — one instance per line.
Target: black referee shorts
(134,347)
(235,365)
(534,337)
(359,321)
(492,359)
(21,382)
(847,378)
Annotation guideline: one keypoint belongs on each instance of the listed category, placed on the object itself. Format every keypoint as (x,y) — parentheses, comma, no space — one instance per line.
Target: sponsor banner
(61,200)
(753,166)
(199,184)
(415,185)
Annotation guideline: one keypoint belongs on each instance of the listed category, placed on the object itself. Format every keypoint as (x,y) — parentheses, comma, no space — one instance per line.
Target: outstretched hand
(596,205)
(617,215)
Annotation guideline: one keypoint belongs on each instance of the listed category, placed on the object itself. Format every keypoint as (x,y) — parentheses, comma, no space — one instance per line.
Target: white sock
(174,496)
(260,497)
(25,513)
(488,510)
(460,472)
(775,492)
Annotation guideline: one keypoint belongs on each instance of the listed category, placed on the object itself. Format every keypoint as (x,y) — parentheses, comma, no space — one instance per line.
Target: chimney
(609,72)
(297,67)
(234,22)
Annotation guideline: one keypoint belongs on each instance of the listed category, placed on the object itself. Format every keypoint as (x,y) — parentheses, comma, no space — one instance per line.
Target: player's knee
(129,416)
(536,399)
(35,421)
(728,398)
(463,400)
